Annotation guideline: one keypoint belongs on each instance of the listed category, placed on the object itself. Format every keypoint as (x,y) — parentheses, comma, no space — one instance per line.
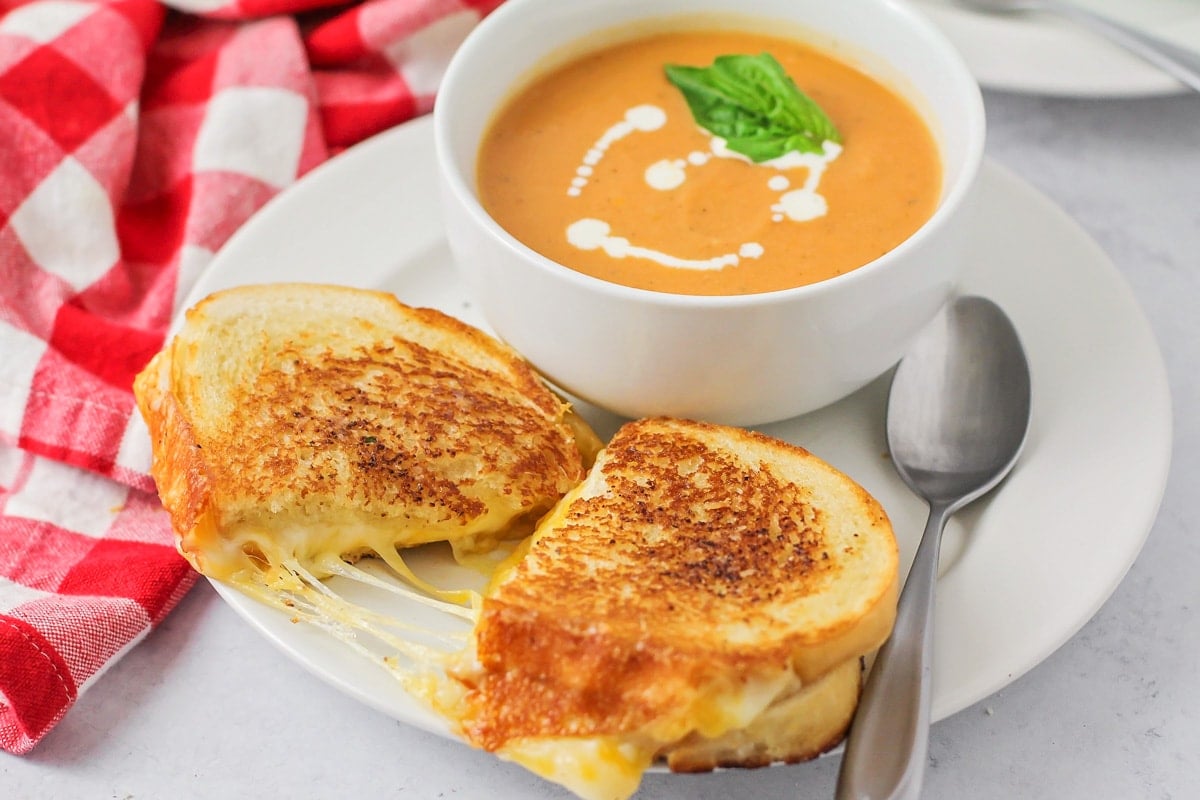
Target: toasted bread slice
(800,724)
(795,727)
(299,421)
(700,575)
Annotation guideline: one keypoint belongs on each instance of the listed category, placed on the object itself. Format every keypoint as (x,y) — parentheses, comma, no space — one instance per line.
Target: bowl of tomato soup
(733,210)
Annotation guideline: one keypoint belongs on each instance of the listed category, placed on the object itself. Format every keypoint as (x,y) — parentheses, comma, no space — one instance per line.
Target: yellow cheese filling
(594,768)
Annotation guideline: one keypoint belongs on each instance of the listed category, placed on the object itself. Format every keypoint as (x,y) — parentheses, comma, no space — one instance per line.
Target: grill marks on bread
(405,430)
(324,421)
(706,524)
(693,559)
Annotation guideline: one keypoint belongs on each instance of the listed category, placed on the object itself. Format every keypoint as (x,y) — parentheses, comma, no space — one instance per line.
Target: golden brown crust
(692,553)
(572,677)
(327,405)
(388,423)
(178,468)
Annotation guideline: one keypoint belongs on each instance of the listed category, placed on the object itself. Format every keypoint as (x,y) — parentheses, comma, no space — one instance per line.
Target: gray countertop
(205,708)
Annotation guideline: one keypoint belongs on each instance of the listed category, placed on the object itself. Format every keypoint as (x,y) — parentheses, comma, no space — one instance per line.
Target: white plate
(1022,570)
(1041,53)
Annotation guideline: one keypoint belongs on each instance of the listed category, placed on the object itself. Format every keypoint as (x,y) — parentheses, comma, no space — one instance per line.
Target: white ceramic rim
(463,187)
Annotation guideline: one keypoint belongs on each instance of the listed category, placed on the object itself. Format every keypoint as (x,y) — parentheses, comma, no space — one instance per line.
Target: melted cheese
(407,650)
(595,768)
(611,767)
(286,568)
(323,550)
(286,571)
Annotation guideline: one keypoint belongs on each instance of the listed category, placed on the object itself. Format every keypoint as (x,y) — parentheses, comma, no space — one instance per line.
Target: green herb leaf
(751,103)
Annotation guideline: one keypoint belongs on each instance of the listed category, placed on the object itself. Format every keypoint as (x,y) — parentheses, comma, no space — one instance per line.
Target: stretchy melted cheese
(297,427)
(703,596)
(700,576)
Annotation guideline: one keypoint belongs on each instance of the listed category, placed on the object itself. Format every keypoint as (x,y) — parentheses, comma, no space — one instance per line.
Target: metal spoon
(957,415)
(1178,62)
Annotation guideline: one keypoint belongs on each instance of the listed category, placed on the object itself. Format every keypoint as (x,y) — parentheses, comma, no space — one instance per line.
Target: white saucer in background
(1040,53)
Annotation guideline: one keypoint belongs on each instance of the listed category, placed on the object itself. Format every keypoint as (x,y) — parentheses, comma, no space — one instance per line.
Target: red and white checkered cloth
(134,139)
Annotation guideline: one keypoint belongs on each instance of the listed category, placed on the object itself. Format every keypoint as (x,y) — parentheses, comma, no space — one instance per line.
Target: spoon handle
(1178,62)
(885,752)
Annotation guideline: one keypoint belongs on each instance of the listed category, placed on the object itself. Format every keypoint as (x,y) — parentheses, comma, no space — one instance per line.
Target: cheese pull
(702,596)
(701,579)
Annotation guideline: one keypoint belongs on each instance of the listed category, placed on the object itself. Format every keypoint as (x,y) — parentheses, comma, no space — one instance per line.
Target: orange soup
(600,166)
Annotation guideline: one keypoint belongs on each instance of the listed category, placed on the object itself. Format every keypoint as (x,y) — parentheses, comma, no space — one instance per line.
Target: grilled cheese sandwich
(308,424)
(702,597)
(699,577)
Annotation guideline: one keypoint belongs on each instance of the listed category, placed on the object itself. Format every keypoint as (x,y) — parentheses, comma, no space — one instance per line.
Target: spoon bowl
(959,404)
(958,413)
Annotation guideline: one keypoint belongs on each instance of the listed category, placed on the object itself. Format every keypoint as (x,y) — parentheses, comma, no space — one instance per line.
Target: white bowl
(741,360)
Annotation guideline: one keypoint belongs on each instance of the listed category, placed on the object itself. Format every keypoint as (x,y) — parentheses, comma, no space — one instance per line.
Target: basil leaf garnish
(751,103)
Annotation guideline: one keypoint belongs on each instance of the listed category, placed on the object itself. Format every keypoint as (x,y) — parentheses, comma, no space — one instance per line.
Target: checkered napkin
(134,139)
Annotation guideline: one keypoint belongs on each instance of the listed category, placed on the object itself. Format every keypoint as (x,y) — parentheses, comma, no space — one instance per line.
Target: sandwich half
(704,597)
(296,427)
